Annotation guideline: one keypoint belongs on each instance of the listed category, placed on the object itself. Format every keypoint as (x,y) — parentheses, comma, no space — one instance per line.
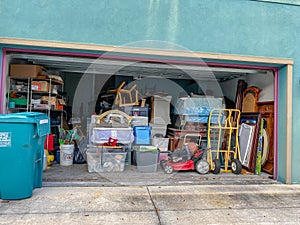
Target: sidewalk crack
(156,209)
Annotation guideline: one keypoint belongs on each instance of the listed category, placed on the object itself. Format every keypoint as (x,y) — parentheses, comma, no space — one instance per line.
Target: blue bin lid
(24,117)
(40,119)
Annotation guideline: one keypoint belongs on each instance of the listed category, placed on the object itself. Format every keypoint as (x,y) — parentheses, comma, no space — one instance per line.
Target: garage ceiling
(131,68)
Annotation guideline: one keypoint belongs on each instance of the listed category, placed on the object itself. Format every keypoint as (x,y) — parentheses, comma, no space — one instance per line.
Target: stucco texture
(242,27)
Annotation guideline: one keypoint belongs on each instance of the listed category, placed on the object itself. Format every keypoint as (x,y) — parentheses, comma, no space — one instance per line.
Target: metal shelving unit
(29,93)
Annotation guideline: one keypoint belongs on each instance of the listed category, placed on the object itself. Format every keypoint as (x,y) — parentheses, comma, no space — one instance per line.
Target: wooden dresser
(267,111)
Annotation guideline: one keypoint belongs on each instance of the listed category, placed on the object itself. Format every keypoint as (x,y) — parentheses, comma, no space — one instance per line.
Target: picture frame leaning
(248,138)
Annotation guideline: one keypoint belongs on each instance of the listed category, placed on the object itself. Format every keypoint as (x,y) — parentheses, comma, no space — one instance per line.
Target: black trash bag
(78,158)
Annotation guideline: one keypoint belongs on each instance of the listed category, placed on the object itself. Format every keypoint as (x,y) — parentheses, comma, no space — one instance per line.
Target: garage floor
(78,175)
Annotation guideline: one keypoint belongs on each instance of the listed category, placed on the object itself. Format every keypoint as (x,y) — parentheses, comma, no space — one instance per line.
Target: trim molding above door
(167,53)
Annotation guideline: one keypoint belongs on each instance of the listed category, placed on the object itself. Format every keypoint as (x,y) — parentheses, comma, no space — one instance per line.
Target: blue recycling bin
(22,137)
(142,135)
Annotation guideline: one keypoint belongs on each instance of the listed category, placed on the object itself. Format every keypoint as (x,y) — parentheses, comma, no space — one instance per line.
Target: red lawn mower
(186,158)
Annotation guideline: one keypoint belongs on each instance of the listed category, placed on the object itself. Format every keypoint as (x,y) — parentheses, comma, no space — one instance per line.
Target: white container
(160,113)
(139,121)
(158,129)
(66,155)
(161,143)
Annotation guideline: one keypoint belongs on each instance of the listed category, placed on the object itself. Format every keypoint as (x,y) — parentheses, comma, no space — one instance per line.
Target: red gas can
(49,142)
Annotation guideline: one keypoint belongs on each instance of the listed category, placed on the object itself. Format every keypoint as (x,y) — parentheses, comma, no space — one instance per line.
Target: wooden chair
(125,97)
(116,91)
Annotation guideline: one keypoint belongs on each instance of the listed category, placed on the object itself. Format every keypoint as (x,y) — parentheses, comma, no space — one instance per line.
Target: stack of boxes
(147,155)
(148,149)
(43,87)
(46,102)
(25,70)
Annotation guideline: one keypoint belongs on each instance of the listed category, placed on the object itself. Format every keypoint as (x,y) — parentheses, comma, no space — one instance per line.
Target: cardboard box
(51,102)
(40,86)
(24,70)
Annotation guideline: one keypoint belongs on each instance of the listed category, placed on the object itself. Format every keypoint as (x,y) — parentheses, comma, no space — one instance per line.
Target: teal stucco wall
(244,27)
(228,26)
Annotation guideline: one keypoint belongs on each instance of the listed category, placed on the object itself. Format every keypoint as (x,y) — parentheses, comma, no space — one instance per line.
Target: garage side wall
(281,164)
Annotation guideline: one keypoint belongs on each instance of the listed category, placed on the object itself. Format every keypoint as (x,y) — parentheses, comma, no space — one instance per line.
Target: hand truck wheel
(216,166)
(236,166)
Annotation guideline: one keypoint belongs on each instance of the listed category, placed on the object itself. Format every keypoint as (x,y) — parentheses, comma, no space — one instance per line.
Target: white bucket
(66,155)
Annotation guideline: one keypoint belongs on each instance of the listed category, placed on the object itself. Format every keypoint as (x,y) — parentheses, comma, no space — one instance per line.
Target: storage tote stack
(160,115)
(102,155)
(192,113)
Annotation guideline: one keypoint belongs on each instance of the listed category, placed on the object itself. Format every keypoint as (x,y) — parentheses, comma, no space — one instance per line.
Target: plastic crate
(147,158)
(158,129)
(163,156)
(197,106)
(181,120)
(93,159)
(100,135)
(101,160)
(19,101)
(139,121)
(135,110)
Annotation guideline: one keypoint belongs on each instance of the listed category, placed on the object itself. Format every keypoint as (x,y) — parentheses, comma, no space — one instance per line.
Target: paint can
(66,155)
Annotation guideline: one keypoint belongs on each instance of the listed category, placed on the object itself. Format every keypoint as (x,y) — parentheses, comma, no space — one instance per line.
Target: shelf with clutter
(32,89)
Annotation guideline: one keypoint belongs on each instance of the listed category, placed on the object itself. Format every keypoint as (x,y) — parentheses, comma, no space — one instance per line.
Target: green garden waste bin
(22,137)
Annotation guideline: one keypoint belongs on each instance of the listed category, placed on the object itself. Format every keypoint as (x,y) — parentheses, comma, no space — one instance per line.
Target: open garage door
(87,83)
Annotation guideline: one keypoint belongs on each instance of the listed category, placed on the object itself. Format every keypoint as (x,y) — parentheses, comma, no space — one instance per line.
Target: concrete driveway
(181,204)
